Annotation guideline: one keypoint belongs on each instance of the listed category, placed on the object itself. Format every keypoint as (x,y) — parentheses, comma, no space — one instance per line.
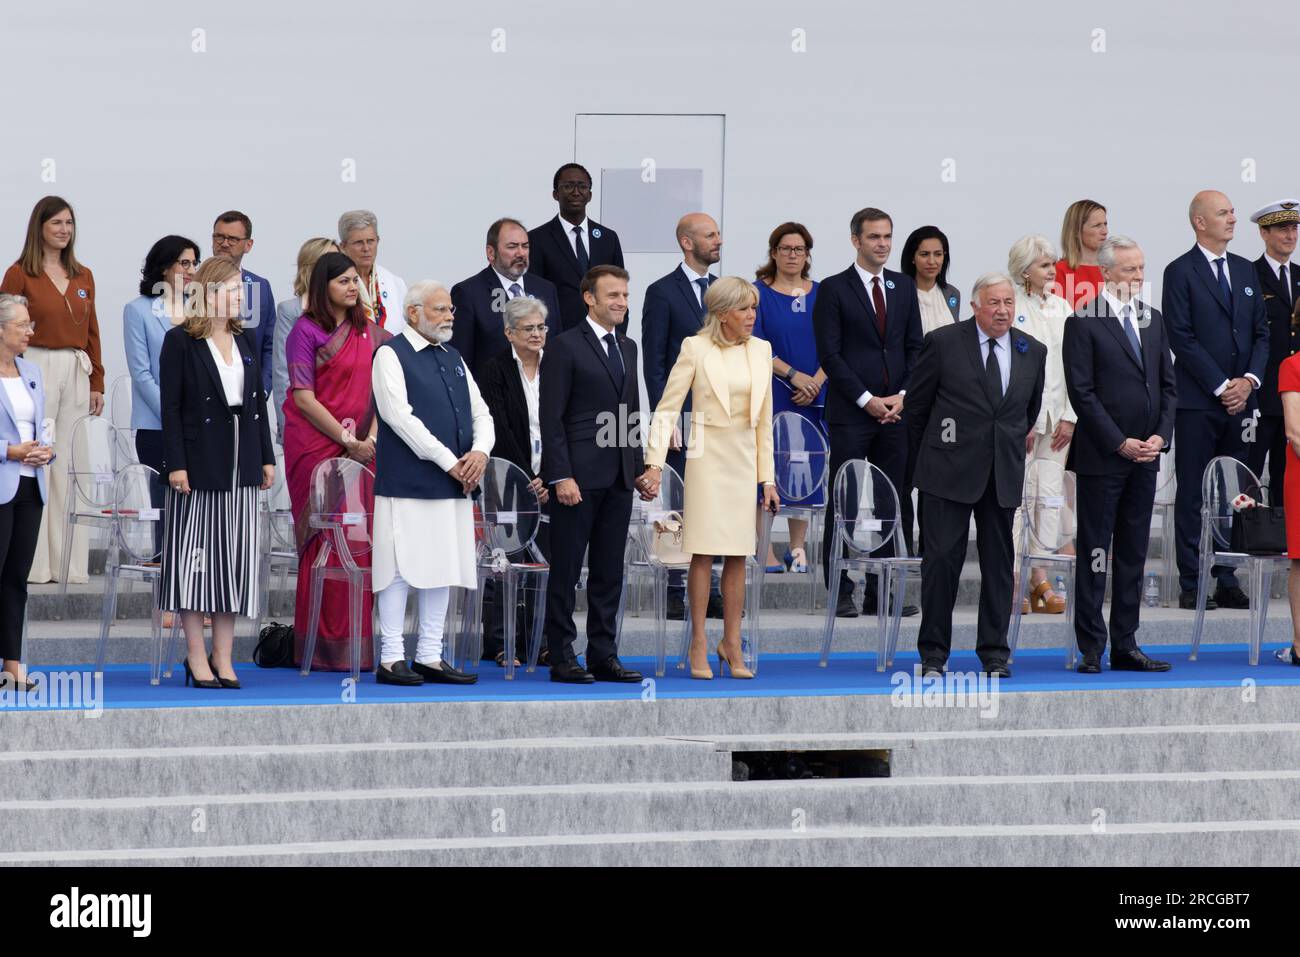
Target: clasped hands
(31,453)
(468,470)
(1236,394)
(1136,450)
(804,388)
(887,409)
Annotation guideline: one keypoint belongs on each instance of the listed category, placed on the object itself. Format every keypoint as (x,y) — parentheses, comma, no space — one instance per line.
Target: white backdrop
(452,122)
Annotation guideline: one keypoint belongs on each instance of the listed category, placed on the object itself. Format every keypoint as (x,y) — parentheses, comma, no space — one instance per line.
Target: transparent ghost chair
(119,416)
(802,460)
(91,467)
(1166,492)
(645,562)
(279,542)
(868,521)
(1047,528)
(1223,480)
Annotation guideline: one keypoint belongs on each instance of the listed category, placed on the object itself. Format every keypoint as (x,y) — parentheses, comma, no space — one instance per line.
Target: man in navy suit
(1120,377)
(867,323)
(673,310)
(564,248)
(1214,313)
(480,332)
(589,383)
(1281,288)
(232,237)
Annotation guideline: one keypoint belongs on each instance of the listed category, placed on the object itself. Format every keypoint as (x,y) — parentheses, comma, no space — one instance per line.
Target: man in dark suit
(1120,378)
(511,387)
(867,323)
(591,460)
(1281,288)
(973,400)
(479,300)
(232,237)
(564,248)
(1218,330)
(673,310)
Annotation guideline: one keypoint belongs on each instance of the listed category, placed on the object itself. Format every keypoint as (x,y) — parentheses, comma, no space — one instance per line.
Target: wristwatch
(789,374)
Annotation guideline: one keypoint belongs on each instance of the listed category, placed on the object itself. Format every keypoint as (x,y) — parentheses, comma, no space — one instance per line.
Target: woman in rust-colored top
(61,299)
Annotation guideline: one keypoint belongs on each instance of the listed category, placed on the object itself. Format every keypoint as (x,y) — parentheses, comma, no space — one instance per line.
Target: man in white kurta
(424,543)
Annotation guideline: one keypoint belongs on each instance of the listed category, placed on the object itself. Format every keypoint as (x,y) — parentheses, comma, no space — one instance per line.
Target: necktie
(516,290)
(1134,343)
(1286,283)
(993,372)
(584,262)
(878,302)
(1224,287)
(704,287)
(615,359)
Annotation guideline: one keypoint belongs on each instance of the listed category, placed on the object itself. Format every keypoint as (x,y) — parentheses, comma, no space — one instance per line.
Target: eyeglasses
(440,310)
(536,330)
(221,239)
(575,187)
(792,250)
(187,263)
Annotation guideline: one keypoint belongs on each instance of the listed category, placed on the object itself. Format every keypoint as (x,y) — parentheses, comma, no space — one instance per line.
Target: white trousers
(1052,526)
(432,607)
(67,398)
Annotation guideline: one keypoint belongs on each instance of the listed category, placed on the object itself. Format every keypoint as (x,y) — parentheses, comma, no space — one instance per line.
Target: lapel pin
(1146,314)
(1020,318)
(952,302)
(889,284)
(81,293)
(1022,346)
(1249,291)
(595,233)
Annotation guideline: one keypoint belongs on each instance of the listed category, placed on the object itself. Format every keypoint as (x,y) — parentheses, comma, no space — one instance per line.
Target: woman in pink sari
(329,413)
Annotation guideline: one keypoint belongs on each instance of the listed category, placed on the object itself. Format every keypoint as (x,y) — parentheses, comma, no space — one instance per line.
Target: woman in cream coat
(729,377)
(1032,263)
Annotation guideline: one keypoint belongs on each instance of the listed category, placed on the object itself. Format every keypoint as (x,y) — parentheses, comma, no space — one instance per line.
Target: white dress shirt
(1002,351)
(1289,283)
(532,396)
(1211,258)
(24,406)
(232,374)
(868,278)
(584,226)
(691,276)
(507,282)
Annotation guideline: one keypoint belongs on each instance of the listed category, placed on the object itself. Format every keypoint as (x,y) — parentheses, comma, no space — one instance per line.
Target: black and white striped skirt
(210,556)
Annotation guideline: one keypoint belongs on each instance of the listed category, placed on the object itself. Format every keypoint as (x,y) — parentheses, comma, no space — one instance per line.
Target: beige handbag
(667,544)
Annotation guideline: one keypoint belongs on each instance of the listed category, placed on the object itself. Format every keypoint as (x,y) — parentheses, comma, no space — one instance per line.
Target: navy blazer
(1211,341)
(259,318)
(197,422)
(479,332)
(581,412)
(1283,341)
(671,312)
(30,373)
(1114,397)
(849,348)
(551,257)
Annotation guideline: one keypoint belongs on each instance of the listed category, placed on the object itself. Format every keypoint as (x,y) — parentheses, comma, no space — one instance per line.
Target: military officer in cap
(1281,288)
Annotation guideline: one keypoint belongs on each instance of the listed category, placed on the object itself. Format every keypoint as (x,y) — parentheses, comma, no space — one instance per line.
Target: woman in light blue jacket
(24,453)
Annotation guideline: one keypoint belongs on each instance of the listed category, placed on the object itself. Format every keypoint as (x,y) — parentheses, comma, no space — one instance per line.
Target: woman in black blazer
(217,454)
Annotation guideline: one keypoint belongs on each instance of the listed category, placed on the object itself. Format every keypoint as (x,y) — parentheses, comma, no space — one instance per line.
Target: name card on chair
(507,518)
(103,478)
(801,457)
(352,518)
(869,524)
(148,515)
(1054,501)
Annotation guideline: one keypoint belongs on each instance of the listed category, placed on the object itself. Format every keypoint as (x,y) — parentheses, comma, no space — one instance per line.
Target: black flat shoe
(198,682)
(869,609)
(1136,661)
(445,675)
(399,674)
(1187,600)
(1090,665)
(612,669)
(225,682)
(676,606)
(932,666)
(570,672)
(844,608)
(1231,597)
(996,669)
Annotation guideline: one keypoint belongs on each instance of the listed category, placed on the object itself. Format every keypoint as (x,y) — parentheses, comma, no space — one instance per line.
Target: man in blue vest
(435,434)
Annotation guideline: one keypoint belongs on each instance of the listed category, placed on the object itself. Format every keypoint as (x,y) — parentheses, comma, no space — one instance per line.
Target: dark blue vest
(438,392)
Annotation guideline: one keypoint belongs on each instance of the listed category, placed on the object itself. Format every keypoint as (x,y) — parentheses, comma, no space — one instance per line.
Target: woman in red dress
(1078,277)
(1288,383)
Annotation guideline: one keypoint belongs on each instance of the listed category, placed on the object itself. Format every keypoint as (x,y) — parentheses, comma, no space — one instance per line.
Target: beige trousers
(66,374)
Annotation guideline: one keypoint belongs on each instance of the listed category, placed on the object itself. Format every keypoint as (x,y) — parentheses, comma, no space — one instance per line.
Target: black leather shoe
(611,669)
(932,666)
(715,607)
(844,607)
(869,607)
(1090,665)
(444,675)
(1232,597)
(399,674)
(676,605)
(996,669)
(1136,661)
(570,672)
(1188,600)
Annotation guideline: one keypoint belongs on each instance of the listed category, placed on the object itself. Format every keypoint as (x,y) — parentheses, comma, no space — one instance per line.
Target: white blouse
(1044,317)
(24,412)
(232,376)
(934,309)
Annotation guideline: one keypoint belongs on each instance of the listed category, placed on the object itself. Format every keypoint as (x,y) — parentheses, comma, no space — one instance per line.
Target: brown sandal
(1040,603)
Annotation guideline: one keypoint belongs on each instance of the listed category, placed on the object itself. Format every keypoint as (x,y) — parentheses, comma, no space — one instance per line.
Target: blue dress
(786,322)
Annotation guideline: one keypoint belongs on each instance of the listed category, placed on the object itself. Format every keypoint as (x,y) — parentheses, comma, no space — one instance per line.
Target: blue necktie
(615,360)
(1129,331)
(704,287)
(516,290)
(1224,287)
(584,262)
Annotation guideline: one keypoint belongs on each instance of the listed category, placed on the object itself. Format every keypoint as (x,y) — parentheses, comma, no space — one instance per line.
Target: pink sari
(336,367)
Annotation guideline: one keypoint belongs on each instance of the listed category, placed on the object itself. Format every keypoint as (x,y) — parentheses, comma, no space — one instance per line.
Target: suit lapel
(689,290)
(972,342)
(209,363)
(759,379)
(716,374)
(868,309)
(1202,269)
(1268,278)
(559,231)
(602,356)
(245,356)
(1112,325)
(4,400)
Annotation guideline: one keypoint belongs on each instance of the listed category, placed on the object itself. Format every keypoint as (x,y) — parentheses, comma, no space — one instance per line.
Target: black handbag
(274,647)
(1259,531)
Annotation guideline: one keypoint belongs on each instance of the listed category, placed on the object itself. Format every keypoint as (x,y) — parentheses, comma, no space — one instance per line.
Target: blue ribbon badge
(81,293)
(595,233)
(889,284)
(1022,346)
(1249,291)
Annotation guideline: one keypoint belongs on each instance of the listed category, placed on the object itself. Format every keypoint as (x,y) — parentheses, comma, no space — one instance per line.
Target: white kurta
(429,541)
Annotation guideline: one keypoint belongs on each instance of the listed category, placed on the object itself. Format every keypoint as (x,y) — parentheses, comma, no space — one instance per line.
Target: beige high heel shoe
(705,673)
(741,672)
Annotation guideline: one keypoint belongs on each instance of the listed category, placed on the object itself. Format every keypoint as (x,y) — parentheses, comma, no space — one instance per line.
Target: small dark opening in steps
(800,765)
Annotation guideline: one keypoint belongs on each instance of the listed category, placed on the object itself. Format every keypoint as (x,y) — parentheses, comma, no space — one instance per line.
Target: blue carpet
(1036,669)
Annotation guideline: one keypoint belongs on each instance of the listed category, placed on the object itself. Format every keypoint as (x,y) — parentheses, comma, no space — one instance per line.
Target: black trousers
(946,531)
(494,631)
(1200,435)
(884,446)
(1114,518)
(1270,441)
(149,450)
(20,522)
(597,525)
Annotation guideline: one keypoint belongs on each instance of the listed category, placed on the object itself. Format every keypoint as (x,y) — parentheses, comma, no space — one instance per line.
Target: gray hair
(521,307)
(356,219)
(1106,255)
(420,291)
(1026,251)
(9,304)
(988,280)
